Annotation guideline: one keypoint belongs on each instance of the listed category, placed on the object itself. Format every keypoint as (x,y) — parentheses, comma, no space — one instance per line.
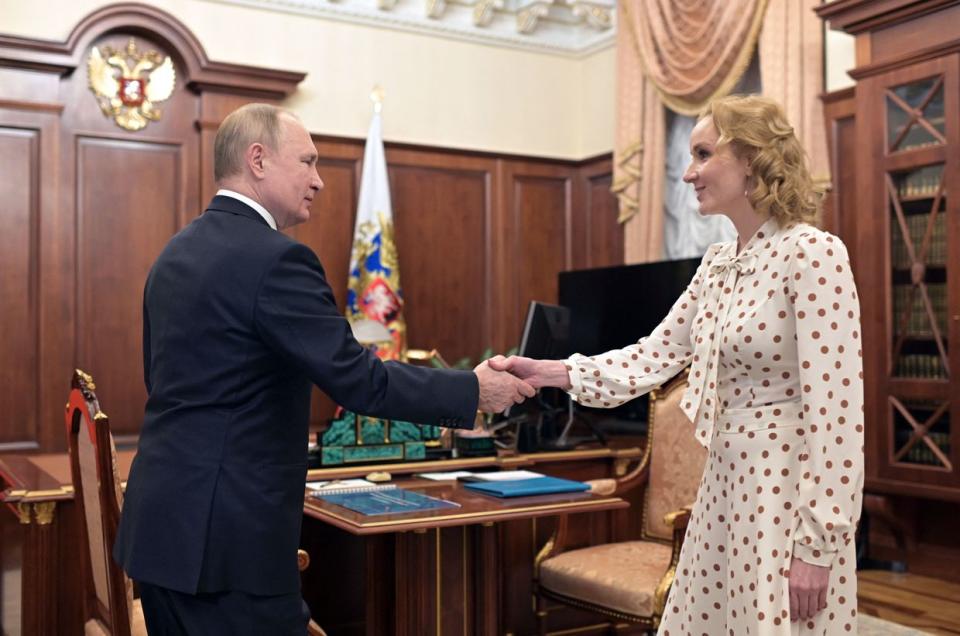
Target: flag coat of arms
(373,292)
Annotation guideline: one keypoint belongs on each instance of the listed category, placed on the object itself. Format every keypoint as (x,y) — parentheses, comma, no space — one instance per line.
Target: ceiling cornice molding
(568,28)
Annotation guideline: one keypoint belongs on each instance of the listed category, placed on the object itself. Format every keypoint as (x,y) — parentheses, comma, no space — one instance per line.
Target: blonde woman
(770,325)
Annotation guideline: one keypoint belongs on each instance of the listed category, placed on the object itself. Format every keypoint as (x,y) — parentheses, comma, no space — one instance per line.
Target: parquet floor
(926,604)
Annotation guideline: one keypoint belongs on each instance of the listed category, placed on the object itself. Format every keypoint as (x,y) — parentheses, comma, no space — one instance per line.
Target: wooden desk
(38,537)
(436,571)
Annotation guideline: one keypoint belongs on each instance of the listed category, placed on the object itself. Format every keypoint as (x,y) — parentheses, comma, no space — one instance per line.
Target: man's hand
(498,389)
(808,589)
(536,373)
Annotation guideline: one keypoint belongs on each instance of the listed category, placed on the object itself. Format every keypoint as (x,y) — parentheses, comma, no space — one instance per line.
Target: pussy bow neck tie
(716,294)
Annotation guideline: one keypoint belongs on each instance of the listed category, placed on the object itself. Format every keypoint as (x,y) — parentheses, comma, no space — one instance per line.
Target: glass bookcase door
(915,116)
(921,432)
(918,257)
(917,196)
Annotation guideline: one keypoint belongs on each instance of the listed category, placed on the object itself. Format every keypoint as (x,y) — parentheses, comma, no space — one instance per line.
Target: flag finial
(376,96)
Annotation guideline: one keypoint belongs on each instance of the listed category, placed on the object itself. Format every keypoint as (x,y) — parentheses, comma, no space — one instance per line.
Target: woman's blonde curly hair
(757,128)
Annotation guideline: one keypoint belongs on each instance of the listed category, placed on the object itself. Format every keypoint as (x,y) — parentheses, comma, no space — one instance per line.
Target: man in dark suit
(238,324)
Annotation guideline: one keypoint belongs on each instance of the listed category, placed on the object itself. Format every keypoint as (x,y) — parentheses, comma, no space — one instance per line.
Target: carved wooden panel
(604,233)
(19,293)
(541,208)
(127,194)
(440,218)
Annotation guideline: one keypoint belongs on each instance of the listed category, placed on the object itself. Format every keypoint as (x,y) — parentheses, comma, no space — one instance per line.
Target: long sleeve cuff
(576,383)
(812,555)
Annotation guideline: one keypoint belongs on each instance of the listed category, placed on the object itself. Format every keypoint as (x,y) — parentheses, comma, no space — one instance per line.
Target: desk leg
(486,579)
(39,614)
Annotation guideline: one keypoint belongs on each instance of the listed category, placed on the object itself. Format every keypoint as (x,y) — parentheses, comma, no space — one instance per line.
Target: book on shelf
(920,366)
(910,297)
(917,227)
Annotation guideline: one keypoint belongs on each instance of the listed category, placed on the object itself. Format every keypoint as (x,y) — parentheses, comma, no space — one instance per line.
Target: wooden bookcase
(895,156)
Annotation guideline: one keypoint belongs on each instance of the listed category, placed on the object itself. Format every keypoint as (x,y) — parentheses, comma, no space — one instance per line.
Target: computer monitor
(546,332)
(545,336)
(612,307)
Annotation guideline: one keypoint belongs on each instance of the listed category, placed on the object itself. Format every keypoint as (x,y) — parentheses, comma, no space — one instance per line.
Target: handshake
(505,381)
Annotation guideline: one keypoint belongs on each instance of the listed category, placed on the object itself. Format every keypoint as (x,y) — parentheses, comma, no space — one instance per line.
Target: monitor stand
(565,441)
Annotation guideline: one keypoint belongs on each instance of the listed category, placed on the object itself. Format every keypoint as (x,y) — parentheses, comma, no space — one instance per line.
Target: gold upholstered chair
(626,583)
(109,606)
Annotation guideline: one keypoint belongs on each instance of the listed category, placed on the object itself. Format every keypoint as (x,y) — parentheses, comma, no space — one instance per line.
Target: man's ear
(254,157)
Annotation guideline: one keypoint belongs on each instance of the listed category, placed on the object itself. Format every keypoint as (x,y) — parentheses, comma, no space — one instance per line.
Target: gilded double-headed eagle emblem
(129,84)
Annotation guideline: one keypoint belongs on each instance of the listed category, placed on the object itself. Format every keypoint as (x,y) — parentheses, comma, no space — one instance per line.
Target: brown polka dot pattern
(773,338)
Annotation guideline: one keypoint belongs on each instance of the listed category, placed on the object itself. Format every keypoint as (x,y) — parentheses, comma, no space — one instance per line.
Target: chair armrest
(554,545)
(679,520)
(602,487)
(635,478)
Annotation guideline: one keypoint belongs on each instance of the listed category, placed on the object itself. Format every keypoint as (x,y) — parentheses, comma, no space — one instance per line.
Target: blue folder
(527,487)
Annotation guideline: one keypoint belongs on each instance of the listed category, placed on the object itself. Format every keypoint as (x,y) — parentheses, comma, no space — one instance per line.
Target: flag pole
(376,96)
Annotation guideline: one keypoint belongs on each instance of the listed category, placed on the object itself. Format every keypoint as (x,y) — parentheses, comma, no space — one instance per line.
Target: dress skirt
(732,577)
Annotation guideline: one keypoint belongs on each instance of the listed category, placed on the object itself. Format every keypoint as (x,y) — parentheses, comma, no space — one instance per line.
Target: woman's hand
(808,589)
(536,373)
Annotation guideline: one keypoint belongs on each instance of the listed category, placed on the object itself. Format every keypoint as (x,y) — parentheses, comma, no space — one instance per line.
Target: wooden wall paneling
(28,90)
(840,210)
(19,293)
(603,235)
(538,211)
(131,192)
(873,318)
(441,206)
(123,224)
(135,190)
(30,320)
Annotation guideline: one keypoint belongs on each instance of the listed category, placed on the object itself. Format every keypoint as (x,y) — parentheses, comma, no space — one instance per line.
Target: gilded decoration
(128,83)
(44,511)
(23,512)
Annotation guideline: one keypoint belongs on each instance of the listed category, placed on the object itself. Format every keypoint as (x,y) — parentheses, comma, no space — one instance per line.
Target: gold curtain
(791,72)
(679,54)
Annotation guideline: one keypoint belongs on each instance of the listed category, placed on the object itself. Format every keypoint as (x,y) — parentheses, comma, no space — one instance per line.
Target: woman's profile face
(718,176)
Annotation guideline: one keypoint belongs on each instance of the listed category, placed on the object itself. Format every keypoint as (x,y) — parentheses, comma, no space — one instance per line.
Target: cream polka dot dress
(776,391)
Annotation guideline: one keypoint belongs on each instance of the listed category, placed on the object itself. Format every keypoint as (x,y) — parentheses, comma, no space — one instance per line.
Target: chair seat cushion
(619,576)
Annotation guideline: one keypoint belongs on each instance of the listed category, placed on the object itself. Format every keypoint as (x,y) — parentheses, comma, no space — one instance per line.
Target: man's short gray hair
(248,124)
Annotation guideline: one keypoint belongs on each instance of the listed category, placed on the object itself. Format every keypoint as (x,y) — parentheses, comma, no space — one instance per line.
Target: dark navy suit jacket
(238,324)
